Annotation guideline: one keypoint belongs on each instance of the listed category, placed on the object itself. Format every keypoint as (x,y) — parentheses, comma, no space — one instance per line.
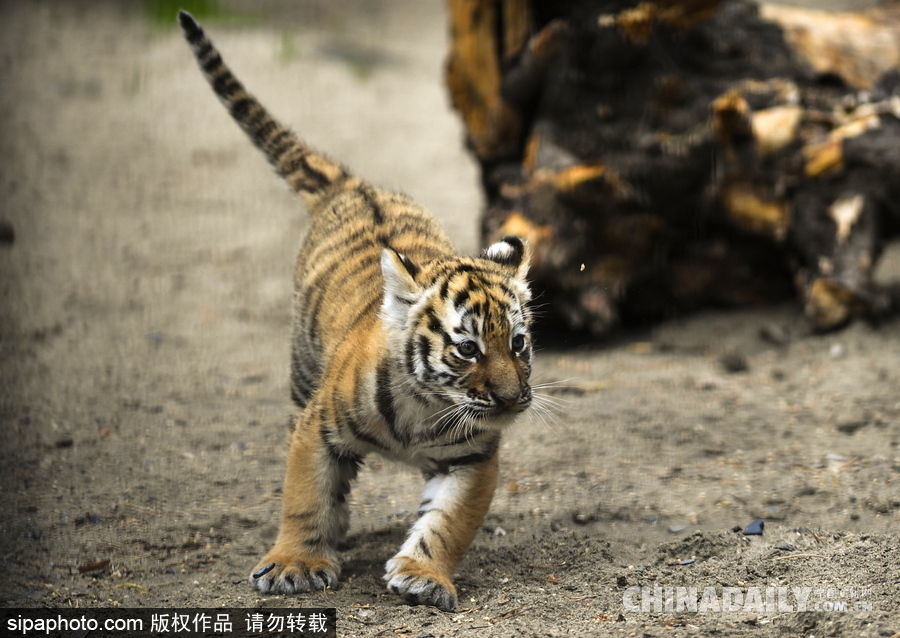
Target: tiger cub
(399,347)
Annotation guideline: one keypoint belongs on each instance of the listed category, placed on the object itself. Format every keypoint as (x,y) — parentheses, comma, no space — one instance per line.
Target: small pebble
(850,427)
(774,334)
(708,384)
(88,517)
(676,529)
(755,528)
(734,362)
(582,519)
(93,566)
(689,561)
(7,232)
(787,547)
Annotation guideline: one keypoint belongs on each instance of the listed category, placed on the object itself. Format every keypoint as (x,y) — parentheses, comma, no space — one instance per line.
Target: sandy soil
(143,364)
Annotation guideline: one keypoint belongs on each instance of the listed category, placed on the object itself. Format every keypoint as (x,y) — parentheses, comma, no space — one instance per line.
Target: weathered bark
(665,155)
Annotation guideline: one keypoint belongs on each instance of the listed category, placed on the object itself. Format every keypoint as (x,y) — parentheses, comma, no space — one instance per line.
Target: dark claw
(263,571)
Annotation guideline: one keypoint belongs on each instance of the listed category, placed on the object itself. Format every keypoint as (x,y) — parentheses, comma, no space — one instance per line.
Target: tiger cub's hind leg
(453,507)
(315,513)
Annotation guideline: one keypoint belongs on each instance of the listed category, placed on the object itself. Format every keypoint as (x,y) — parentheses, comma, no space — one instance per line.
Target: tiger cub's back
(338,280)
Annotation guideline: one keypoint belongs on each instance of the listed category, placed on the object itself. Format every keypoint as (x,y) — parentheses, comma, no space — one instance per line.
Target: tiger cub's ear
(512,253)
(400,288)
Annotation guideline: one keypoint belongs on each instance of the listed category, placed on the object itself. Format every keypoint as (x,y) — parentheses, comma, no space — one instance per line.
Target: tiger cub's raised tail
(304,170)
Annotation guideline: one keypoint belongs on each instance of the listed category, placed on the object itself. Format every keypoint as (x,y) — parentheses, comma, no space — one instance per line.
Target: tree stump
(666,155)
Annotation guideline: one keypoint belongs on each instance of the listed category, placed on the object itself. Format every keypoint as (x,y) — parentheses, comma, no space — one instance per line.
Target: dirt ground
(144,325)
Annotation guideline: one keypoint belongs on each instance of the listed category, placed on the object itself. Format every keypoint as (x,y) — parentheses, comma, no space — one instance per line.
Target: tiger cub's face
(463,326)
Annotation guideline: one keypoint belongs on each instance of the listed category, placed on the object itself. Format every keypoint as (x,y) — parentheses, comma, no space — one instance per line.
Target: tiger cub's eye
(518,343)
(467,349)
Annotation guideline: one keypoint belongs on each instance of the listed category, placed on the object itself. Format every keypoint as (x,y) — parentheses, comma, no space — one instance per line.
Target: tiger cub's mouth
(500,406)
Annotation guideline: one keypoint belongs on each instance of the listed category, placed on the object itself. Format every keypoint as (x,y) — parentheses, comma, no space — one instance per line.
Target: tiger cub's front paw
(419,584)
(285,574)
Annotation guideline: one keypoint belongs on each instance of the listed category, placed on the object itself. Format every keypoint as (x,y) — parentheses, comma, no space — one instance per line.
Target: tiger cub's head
(461,328)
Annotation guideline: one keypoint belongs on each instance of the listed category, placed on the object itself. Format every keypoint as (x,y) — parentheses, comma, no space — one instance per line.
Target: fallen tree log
(665,155)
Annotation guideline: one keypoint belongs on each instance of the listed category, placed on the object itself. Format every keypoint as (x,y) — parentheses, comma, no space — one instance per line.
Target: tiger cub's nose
(507,399)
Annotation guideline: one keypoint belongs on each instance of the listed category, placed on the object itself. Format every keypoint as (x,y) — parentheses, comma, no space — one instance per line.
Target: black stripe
(315,541)
(255,118)
(436,511)
(443,465)
(240,108)
(409,224)
(424,547)
(300,164)
(281,143)
(305,374)
(421,399)
(359,240)
(383,394)
(351,424)
(313,302)
(385,401)
(440,538)
(369,197)
(278,139)
(262,126)
(409,355)
(226,86)
(213,62)
(411,268)
(318,290)
(461,298)
(470,459)
(362,313)
(338,455)
(303,516)
(299,400)
(425,352)
(507,291)
(454,363)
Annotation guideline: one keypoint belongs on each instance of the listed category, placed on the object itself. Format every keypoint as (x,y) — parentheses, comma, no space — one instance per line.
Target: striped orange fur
(400,347)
